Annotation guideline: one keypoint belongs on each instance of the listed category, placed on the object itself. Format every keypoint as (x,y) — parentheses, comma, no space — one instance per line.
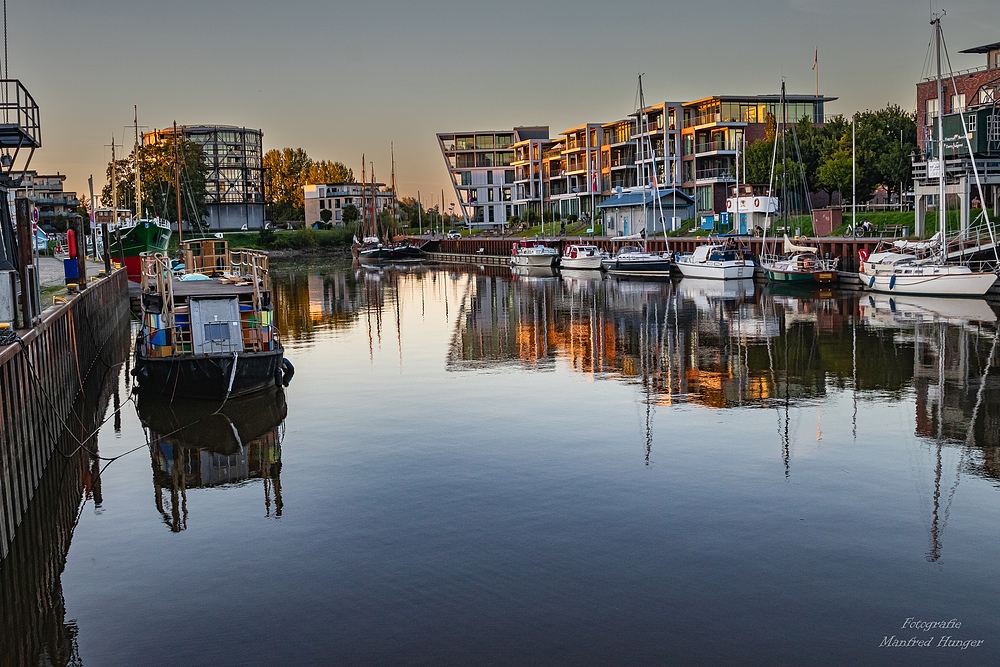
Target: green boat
(130,238)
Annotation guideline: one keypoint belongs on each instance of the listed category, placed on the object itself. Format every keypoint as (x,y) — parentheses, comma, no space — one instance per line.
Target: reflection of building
(234,172)
(194,445)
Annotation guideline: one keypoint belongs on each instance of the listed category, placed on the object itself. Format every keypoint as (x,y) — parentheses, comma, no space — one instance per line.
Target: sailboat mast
(364,200)
(177,189)
(114,184)
(942,221)
(135,153)
(392,161)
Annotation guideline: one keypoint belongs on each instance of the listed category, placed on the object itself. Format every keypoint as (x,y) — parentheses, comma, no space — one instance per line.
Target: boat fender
(871,283)
(287,371)
(892,282)
(863,254)
(892,305)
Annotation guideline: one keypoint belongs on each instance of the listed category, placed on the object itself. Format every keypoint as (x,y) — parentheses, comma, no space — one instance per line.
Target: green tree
(326,215)
(835,172)
(284,176)
(351,214)
(328,172)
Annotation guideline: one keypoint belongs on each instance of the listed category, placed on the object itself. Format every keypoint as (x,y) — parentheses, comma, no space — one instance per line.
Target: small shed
(635,210)
(825,220)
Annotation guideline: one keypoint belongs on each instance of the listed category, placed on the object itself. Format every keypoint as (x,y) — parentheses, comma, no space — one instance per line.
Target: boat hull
(391,255)
(208,375)
(584,263)
(128,243)
(533,260)
(945,284)
(726,270)
(801,277)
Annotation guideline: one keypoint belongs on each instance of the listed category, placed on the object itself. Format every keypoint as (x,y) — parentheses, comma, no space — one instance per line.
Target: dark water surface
(470,468)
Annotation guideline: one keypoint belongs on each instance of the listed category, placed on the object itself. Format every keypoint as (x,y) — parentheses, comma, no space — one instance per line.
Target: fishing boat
(532,253)
(208,331)
(922,267)
(716,261)
(633,260)
(581,256)
(131,235)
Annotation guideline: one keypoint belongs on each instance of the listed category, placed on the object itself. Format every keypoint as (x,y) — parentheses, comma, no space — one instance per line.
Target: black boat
(208,332)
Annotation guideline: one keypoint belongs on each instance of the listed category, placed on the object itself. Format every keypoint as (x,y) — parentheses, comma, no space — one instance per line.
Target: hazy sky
(342,78)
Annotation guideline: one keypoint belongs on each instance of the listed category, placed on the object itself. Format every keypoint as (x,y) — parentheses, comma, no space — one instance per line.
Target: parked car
(454,234)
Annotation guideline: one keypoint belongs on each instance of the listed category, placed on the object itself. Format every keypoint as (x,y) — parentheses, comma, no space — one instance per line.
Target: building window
(993,128)
(489,178)
(337,202)
(466,178)
(506,194)
(958,103)
(987,95)
(484,141)
(970,123)
(322,204)
(490,209)
(931,109)
(508,176)
(489,194)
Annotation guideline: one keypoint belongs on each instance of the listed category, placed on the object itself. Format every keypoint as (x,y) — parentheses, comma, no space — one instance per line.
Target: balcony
(715,146)
(715,174)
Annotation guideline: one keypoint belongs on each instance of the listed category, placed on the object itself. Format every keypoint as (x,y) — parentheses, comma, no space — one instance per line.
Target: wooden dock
(41,380)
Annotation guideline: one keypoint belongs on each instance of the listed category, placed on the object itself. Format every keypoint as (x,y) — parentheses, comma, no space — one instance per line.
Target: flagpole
(816,67)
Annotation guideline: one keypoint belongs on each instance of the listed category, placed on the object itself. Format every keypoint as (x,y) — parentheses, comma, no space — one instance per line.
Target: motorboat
(526,253)
(581,256)
(631,260)
(717,262)
(904,273)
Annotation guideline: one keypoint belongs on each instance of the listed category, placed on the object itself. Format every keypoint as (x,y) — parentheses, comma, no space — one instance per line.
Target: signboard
(934,169)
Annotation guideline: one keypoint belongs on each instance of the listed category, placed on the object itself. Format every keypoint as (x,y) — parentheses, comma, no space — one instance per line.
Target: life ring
(863,254)
(756,203)
(729,203)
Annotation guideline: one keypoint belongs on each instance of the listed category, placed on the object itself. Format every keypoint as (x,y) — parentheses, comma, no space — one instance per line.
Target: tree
(351,214)
(326,215)
(836,171)
(286,171)
(328,172)
(156,165)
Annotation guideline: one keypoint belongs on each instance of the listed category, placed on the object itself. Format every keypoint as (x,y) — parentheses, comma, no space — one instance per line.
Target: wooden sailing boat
(378,246)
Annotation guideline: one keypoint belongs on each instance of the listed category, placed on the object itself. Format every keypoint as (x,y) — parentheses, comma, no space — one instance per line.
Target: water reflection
(33,625)
(198,444)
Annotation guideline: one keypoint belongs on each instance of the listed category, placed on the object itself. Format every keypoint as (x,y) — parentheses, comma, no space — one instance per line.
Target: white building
(335,197)
(480,165)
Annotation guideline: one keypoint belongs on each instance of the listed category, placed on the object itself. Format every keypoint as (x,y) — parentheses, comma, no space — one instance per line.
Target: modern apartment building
(528,182)
(580,172)
(618,156)
(482,173)
(714,128)
(657,138)
(335,197)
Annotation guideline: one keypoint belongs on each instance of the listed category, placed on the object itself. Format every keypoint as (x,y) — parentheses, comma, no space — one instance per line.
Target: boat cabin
(220,303)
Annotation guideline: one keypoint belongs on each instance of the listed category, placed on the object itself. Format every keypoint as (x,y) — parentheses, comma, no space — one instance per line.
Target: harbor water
(471,466)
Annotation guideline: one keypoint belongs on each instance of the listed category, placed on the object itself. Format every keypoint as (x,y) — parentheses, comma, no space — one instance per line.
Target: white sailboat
(904,269)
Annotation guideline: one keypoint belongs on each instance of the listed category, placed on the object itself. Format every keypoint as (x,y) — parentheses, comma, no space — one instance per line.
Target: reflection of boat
(882,309)
(580,256)
(632,260)
(195,445)
(537,272)
(712,289)
(581,275)
(207,333)
(533,253)
(716,261)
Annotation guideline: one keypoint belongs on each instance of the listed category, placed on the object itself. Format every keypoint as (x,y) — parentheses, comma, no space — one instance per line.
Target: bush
(266,238)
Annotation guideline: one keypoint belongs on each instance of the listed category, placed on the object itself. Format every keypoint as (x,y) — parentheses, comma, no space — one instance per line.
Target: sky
(344,78)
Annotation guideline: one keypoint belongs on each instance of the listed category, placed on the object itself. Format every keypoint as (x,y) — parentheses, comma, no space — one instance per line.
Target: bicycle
(862,229)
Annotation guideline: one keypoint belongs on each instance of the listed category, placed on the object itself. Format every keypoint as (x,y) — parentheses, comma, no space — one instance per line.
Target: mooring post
(81,254)
(105,239)
(25,258)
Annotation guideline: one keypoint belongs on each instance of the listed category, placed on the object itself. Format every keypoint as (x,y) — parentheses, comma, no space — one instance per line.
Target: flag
(816,59)
(593,181)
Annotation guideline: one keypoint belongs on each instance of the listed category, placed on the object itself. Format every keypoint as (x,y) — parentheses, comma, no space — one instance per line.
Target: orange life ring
(863,254)
(729,203)
(756,202)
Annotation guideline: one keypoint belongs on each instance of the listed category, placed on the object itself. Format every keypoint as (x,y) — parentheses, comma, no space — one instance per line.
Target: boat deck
(208,288)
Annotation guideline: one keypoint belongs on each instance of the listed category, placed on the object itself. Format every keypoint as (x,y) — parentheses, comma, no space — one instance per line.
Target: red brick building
(975,87)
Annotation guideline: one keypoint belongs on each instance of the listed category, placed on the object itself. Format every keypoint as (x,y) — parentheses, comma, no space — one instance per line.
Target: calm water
(470,468)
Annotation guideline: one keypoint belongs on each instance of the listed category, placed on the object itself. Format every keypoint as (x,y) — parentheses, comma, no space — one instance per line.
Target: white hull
(533,260)
(725,270)
(942,284)
(589,263)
